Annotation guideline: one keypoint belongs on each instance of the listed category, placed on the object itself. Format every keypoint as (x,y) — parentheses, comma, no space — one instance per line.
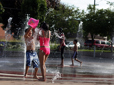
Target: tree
(65,18)
(100,22)
(36,8)
(18,10)
(89,22)
(12,9)
(53,4)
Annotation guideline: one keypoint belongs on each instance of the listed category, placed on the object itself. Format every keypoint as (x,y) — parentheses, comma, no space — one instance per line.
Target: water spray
(57,75)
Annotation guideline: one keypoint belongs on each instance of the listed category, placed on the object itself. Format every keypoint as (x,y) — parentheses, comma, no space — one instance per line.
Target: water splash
(9,23)
(57,75)
(48,11)
(7,30)
(7,34)
(80,26)
(80,34)
(26,21)
(102,50)
(57,35)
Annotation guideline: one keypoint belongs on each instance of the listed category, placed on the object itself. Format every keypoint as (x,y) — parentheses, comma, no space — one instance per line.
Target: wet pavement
(92,70)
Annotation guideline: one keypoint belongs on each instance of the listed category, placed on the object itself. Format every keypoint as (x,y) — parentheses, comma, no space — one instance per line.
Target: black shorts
(74,55)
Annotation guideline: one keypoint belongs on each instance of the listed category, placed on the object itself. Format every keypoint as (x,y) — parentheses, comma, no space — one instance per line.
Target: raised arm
(57,35)
(26,33)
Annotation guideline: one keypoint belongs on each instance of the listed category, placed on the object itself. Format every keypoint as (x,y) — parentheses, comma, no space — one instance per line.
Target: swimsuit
(32,58)
(44,45)
(74,54)
(62,40)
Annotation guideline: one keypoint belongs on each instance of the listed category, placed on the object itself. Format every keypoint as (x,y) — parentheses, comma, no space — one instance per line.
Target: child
(44,48)
(31,55)
(74,56)
(62,46)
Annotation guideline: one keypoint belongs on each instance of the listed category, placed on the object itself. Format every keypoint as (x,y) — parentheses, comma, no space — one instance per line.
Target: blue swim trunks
(32,58)
(74,54)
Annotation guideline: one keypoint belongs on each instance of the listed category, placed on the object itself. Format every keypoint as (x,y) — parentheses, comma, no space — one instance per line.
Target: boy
(74,56)
(31,55)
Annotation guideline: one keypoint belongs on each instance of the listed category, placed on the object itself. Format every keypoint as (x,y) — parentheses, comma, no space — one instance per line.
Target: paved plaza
(94,71)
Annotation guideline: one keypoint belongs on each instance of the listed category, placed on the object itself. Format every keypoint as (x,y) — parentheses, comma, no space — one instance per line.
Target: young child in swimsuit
(44,38)
(74,56)
(31,55)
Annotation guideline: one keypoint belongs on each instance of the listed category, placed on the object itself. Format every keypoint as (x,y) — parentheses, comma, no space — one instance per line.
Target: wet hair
(75,40)
(26,30)
(60,30)
(44,26)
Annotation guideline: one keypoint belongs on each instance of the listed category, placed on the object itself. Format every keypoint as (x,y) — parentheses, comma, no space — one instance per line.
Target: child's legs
(73,56)
(28,62)
(26,71)
(35,72)
(78,60)
(42,59)
(46,56)
(35,62)
(62,55)
(72,61)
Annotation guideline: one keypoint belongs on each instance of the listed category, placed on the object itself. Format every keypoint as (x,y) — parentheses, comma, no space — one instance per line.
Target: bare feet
(42,79)
(25,76)
(61,65)
(35,77)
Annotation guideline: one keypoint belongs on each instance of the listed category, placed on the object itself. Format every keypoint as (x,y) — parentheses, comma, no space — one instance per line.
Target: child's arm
(26,34)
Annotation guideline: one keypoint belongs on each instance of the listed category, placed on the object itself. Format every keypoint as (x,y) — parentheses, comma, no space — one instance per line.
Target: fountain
(91,65)
(80,34)
(7,34)
(7,30)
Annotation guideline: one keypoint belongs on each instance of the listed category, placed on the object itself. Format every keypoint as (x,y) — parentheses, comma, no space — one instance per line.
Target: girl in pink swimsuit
(44,52)
(44,45)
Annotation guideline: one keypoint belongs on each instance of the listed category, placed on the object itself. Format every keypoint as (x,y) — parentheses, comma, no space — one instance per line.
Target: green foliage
(17,9)
(36,8)
(1,8)
(65,18)
(1,11)
(11,46)
(100,22)
(54,46)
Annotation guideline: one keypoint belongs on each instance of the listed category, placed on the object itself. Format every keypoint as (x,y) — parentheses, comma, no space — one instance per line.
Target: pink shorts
(45,50)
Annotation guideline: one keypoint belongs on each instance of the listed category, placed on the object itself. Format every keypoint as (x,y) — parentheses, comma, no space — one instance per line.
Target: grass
(3,40)
(8,49)
(87,50)
(53,46)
